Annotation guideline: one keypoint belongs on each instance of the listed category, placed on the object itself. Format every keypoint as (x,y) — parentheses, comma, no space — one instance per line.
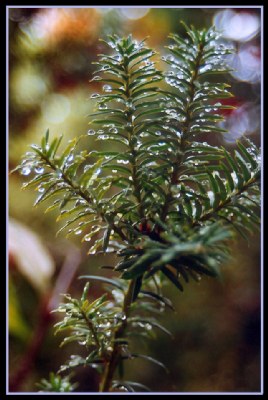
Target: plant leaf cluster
(157,195)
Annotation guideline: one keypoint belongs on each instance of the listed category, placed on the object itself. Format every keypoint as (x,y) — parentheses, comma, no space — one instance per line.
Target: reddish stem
(48,303)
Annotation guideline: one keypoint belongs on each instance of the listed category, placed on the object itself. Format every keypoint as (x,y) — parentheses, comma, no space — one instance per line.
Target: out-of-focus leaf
(30,256)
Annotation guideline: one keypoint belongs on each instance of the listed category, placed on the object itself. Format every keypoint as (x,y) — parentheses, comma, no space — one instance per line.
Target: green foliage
(165,202)
(56,383)
(96,324)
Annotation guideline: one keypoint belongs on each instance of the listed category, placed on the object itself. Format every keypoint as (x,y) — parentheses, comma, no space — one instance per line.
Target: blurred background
(216,326)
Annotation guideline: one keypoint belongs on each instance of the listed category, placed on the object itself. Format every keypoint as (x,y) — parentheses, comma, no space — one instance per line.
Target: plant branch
(223,204)
(115,356)
(185,130)
(82,194)
(130,119)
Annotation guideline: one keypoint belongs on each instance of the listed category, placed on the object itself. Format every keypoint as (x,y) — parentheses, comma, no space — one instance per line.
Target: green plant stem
(185,132)
(112,363)
(115,356)
(91,328)
(131,137)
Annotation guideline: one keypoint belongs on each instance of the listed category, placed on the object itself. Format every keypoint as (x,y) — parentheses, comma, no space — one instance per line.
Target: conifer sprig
(161,198)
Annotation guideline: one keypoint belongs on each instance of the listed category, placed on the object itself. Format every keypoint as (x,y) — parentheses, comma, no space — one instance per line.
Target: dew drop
(148,327)
(78,232)
(93,251)
(113,130)
(170,58)
(120,316)
(39,170)
(107,88)
(103,106)
(211,197)
(122,161)
(235,179)
(70,158)
(129,103)
(205,68)
(91,132)
(121,389)
(170,81)
(149,63)
(95,95)
(58,173)
(25,171)
(96,78)
(118,57)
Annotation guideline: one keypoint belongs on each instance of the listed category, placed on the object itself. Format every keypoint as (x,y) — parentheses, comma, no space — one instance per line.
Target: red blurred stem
(48,303)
